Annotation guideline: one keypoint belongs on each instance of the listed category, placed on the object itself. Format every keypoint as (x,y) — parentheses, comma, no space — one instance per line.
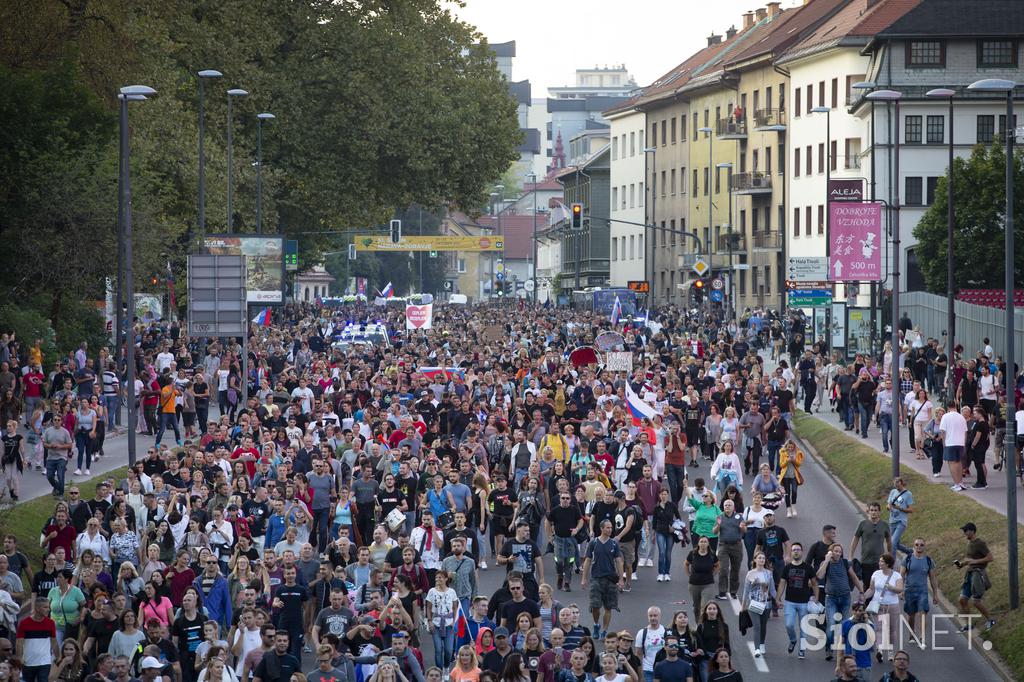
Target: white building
(627,196)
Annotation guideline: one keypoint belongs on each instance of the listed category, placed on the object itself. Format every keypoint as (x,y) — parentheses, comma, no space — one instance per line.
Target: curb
(998,664)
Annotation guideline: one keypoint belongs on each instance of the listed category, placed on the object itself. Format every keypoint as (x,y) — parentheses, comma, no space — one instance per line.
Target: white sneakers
(936,474)
(957,488)
(86,472)
(650,563)
(483,565)
(661,578)
(634,576)
(758,652)
(664,578)
(78,472)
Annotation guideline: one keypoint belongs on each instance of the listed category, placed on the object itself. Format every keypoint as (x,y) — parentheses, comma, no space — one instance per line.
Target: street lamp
(828,179)
(732,286)
(894,96)
(533,256)
(871,85)
(203,75)
(711,159)
(1009,374)
(650,239)
(234,92)
(947,93)
(129,93)
(260,118)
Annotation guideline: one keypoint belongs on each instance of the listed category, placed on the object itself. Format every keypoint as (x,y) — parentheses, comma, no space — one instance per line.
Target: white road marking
(759,663)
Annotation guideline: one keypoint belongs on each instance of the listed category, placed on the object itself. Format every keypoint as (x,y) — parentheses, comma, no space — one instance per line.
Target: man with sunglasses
(325,670)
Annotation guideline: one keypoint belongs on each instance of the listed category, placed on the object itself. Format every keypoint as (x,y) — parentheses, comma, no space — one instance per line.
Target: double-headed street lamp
(260,118)
(947,93)
(203,75)
(129,93)
(997,85)
(649,244)
(894,96)
(234,92)
(732,286)
(711,159)
(871,85)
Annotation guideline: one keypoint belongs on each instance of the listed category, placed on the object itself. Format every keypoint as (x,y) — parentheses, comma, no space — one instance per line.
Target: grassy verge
(937,517)
(25,520)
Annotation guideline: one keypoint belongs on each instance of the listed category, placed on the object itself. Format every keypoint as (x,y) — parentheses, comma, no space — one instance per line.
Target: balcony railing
(769,119)
(732,129)
(756,182)
(768,241)
(723,240)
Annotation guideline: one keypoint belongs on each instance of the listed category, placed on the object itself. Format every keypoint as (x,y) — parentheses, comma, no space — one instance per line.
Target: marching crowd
(345,497)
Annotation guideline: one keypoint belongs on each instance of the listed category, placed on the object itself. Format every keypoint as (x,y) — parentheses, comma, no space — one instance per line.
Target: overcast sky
(555,37)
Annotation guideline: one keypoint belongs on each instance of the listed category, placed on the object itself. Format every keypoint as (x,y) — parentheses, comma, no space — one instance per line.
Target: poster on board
(264,263)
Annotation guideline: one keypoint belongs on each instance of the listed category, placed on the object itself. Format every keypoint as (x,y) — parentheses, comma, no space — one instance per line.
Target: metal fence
(974,323)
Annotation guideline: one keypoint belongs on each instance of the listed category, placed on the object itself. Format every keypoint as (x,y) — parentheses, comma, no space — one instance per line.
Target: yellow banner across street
(373,242)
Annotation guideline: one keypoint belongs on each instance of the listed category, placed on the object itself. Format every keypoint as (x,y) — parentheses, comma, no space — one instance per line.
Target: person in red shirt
(37,641)
(60,534)
(248,454)
(604,458)
(33,382)
(180,576)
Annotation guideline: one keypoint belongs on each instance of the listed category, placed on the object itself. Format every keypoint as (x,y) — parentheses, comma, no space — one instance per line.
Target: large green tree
(979,199)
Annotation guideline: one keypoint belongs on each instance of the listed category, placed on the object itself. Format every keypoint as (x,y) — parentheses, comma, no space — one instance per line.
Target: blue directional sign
(717,295)
(499,276)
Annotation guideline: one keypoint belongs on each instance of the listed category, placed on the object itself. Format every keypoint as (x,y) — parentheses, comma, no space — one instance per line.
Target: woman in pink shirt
(154,605)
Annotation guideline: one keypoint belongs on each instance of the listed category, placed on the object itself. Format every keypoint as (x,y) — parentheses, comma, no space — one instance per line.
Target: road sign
(499,276)
(717,283)
(216,295)
(529,285)
(810,284)
(701,267)
(717,295)
(639,285)
(809,298)
(447,285)
(382,242)
(807,268)
(291,255)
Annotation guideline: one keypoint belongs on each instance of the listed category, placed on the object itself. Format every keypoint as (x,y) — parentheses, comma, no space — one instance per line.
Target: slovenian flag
(263,319)
(638,409)
(388,291)
(616,312)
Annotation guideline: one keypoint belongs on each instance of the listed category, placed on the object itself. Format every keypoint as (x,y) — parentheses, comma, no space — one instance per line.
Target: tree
(979,191)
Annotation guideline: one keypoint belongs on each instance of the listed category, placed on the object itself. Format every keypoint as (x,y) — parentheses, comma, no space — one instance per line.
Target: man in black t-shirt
(627,522)
(519,603)
(521,554)
(277,664)
(564,521)
(796,587)
(773,541)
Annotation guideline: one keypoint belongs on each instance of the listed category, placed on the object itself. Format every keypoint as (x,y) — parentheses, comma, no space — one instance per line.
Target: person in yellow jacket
(790,461)
(557,442)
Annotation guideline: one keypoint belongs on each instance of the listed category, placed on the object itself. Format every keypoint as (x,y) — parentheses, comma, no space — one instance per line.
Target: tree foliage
(379,104)
(979,194)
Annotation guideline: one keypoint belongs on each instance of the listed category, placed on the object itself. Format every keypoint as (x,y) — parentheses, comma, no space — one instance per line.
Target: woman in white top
(885,588)
(440,610)
(93,539)
(727,468)
(730,426)
(609,666)
(920,410)
(753,517)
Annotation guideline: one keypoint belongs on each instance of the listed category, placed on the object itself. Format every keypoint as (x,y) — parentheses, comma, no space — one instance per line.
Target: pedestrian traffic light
(433,254)
(577,216)
(351,251)
(396,231)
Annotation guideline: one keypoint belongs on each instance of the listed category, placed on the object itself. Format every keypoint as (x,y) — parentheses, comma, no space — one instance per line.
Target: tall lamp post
(894,96)
(947,93)
(260,118)
(732,284)
(129,93)
(203,75)
(119,313)
(828,223)
(234,92)
(649,243)
(1009,375)
(533,251)
(711,159)
(871,85)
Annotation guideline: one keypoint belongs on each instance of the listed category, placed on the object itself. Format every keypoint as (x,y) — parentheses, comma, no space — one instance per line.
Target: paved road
(821,501)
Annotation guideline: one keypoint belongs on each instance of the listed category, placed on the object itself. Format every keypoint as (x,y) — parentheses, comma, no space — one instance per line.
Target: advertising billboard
(264,263)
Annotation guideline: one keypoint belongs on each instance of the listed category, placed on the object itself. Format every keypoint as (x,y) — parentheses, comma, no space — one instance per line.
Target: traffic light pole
(701,250)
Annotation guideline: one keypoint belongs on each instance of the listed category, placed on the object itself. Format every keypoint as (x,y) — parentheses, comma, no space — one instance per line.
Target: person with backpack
(918,574)
(628,521)
(838,577)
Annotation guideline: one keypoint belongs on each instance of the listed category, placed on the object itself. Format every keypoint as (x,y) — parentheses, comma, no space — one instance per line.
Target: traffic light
(433,254)
(577,216)
(351,251)
(396,231)
(154,280)
(698,290)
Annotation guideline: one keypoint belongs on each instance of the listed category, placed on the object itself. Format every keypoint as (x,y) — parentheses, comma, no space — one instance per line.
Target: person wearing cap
(151,669)
(494,660)
(976,581)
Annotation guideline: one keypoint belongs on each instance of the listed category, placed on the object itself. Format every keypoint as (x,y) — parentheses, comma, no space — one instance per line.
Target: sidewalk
(993,497)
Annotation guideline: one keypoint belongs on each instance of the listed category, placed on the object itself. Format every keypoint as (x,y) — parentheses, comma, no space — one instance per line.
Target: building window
(782,220)
(833,154)
(694,185)
(913,191)
(632,144)
(821,157)
(809,161)
(672,130)
(754,221)
(796,222)
(664,183)
(707,115)
(767,279)
(912,130)
(936,129)
(615,148)
(807,220)
(1002,124)
(997,53)
(852,153)
(932,184)
(821,219)
(632,242)
(682,180)
(654,134)
(926,54)
(623,197)
(986,127)
(615,197)
(682,128)
(640,193)
(835,93)
(640,246)
(821,93)
(632,195)
(810,99)
(796,100)
(664,138)
(707,181)
(672,185)
(718,180)
(782,157)
(768,160)
(615,248)
(462,266)
(695,126)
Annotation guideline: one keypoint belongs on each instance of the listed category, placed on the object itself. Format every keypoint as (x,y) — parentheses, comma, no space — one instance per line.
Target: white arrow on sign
(838,267)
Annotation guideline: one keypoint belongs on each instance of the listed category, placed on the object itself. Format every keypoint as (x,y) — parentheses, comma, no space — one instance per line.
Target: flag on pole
(263,319)
(388,291)
(638,409)
(616,312)
(461,622)
(170,290)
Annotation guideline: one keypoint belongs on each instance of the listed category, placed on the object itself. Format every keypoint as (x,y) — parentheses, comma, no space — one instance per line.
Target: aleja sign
(845,190)
(855,241)
(419,316)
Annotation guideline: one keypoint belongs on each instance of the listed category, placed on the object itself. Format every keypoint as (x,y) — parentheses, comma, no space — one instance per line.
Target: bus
(601,301)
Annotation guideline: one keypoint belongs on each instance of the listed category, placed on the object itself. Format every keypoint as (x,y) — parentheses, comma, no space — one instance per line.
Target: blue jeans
(168,420)
(773,447)
(55,469)
(444,646)
(793,614)
(835,604)
(113,404)
(885,424)
(674,474)
(319,532)
(36,673)
(648,676)
(82,443)
(865,418)
(897,529)
(665,544)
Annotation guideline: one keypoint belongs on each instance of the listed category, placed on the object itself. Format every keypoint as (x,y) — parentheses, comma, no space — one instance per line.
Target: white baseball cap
(149,662)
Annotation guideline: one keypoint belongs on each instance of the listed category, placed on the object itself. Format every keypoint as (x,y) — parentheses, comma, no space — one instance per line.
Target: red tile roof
(856,19)
(787,28)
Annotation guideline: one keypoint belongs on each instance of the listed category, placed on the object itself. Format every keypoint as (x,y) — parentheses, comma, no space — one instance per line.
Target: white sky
(555,37)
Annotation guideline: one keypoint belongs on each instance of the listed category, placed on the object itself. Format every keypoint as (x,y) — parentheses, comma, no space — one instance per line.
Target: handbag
(875,605)
(815,608)
(757,607)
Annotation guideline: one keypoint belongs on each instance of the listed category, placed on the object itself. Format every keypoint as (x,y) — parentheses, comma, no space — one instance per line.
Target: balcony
(767,241)
(731,129)
(752,183)
(770,120)
(722,241)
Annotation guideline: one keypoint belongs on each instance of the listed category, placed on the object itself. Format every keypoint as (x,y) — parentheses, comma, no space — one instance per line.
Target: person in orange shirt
(166,412)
